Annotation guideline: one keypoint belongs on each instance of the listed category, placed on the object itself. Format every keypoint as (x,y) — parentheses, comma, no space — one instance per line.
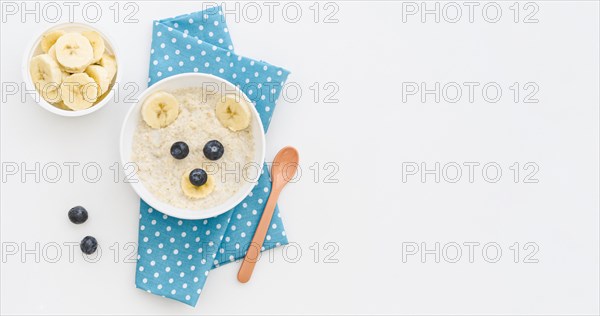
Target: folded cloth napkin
(175,255)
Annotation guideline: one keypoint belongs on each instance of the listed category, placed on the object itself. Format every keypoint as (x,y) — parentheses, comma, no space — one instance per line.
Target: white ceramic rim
(31,87)
(147,196)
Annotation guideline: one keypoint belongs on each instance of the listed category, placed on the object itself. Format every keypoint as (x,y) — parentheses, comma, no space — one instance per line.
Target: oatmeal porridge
(193,150)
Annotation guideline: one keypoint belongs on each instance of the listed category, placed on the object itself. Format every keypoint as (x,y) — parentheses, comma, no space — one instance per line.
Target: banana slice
(74,52)
(108,61)
(52,94)
(160,109)
(49,39)
(46,76)
(194,192)
(97,44)
(100,75)
(79,91)
(52,52)
(61,105)
(233,114)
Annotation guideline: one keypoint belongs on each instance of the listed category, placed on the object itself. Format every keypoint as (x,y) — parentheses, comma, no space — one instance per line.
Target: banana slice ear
(160,109)
(232,113)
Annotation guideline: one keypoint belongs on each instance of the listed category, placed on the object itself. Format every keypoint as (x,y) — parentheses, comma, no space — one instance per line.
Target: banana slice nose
(197,192)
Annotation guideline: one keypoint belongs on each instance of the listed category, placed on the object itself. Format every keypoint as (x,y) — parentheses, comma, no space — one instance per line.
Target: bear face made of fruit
(161,109)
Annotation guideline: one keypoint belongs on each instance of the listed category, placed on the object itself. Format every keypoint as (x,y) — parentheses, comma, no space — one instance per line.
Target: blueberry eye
(179,150)
(213,150)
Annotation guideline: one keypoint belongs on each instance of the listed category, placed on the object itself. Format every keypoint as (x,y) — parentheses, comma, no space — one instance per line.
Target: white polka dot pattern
(174,255)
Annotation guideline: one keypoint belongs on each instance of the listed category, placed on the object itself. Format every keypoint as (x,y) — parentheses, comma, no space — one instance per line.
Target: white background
(370,212)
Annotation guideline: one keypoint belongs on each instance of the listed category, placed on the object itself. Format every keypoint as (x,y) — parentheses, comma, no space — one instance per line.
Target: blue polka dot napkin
(176,255)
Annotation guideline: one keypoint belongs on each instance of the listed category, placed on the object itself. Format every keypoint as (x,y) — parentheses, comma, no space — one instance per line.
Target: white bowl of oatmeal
(159,169)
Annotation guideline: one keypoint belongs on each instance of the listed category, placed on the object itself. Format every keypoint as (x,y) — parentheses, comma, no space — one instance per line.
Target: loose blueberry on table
(88,245)
(213,150)
(78,215)
(198,177)
(179,150)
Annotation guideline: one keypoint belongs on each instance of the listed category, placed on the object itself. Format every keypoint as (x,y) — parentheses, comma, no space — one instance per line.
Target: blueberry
(88,245)
(78,215)
(213,150)
(179,150)
(198,177)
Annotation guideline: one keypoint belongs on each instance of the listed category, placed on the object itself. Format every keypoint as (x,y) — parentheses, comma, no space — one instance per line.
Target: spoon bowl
(284,166)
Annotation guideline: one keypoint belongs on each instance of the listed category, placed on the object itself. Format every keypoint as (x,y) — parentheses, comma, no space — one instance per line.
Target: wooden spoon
(283,170)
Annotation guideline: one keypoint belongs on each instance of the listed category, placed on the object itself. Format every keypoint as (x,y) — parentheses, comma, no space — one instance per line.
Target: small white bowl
(130,124)
(35,49)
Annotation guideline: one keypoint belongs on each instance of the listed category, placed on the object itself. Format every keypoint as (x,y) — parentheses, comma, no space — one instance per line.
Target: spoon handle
(259,237)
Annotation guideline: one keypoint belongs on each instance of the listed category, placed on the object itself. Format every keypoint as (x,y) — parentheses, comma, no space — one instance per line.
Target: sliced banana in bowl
(100,76)
(50,38)
(74,52)
(79,91)
(46,76)
(97,43)
(67,58)
(109,62)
